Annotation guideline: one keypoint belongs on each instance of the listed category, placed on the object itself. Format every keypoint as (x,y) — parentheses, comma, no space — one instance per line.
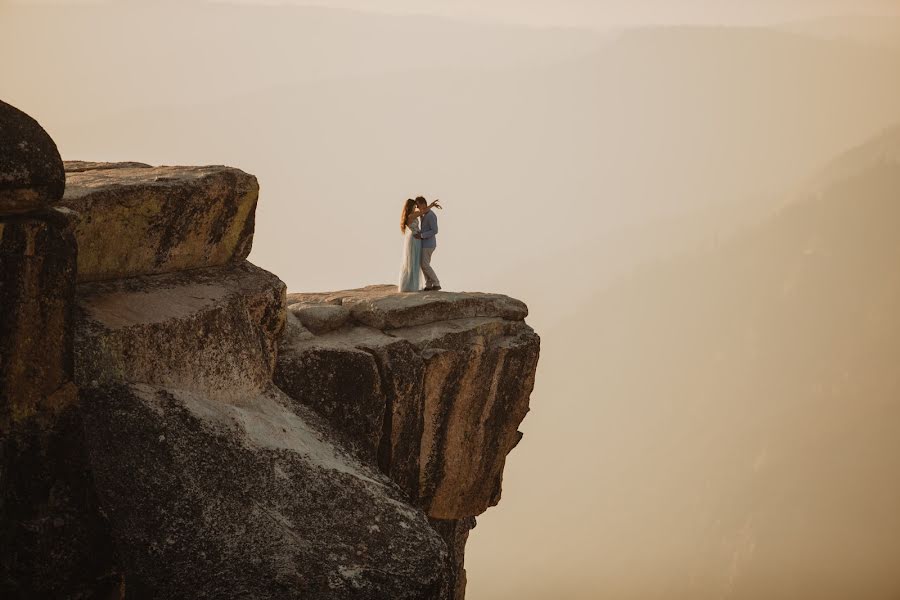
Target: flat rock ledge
(382,307)
(429,386)
(80,166)
(432,385)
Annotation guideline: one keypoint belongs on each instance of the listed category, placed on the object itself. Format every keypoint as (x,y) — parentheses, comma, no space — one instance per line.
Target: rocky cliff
(174,424)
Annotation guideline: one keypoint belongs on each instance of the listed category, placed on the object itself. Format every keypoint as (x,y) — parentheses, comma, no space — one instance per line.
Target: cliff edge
(174,424)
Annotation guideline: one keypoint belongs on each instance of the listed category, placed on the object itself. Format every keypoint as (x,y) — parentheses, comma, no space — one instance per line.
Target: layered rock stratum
(176,425)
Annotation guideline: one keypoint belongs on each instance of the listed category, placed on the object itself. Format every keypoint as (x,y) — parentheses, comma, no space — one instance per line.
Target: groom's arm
(431,227)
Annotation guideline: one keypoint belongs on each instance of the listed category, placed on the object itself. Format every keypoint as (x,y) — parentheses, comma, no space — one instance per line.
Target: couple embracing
(419,225)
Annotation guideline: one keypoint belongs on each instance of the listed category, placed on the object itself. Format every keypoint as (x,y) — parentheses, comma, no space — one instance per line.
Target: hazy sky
(596,13)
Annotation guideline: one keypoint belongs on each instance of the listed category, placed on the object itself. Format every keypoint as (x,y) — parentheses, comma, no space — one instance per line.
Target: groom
(428,235)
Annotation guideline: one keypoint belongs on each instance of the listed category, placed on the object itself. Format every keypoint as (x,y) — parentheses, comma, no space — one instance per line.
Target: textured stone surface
(52,537)
(441,401)
(37,284)
(320,318)
(367,385)
(215,484)
(138,221)
(31,170)
(249,499)
(54,541)
(79,166)
(380,306)
(438,399)
(212,330)
(455,534)
(479,374)
(342,384)
(178,469)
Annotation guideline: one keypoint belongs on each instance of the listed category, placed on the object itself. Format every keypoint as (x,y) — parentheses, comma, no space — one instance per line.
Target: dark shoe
(434,289)
(427,288)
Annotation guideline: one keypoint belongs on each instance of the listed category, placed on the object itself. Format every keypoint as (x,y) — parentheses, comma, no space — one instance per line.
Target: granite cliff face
(173,424)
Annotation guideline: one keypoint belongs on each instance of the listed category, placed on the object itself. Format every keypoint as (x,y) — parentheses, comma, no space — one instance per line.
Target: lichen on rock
(143,221)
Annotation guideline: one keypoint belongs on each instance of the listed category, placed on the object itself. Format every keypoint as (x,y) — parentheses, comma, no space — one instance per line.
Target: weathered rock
(31,170)
(249,499)
(380,306)
(52,536)
(37,284)
(54,541)
(451,392)
(215,483)
(342,384)
(79,166)
(479,374)
(140,221)
(455,534)
(212,330)
(368,386)
(320,318)
(180,470)
(440,399)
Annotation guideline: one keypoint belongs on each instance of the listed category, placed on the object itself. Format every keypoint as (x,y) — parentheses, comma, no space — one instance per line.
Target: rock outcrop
(52,537)
(174,425)
(31,170)
(209,330)
(139,221)
(79,166)
(432,385)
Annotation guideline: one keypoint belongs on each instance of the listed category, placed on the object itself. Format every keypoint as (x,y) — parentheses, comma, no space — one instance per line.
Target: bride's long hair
(408,207)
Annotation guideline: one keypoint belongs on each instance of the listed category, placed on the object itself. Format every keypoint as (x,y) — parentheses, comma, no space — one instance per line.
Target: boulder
(381,307)
(143,221)
(211,330)
(320,318)
(31,170)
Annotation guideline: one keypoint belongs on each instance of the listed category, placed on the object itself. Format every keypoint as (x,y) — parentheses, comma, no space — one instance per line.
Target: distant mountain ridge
(755,385)
(876,30)
(883,149)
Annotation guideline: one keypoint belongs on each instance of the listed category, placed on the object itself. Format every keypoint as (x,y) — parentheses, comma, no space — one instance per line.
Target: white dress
(410,267)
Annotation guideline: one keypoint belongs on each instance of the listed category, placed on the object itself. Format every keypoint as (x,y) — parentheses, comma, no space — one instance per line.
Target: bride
(410,268)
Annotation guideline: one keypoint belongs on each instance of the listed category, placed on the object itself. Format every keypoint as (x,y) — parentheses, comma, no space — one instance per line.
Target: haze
(696,199)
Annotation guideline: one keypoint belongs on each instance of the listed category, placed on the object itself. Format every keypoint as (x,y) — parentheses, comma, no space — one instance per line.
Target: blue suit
(429,230)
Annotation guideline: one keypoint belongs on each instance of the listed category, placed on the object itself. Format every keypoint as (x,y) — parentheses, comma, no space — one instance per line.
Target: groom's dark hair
(421,200)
